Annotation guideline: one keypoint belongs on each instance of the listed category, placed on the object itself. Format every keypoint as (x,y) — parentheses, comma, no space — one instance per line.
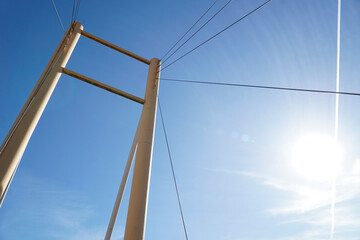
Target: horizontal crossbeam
(102,85)
(116,48)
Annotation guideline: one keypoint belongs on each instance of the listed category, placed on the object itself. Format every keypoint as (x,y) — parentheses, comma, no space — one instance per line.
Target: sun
(317,157)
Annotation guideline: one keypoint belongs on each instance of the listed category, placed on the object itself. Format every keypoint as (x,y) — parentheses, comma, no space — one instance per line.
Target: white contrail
(332,210)
(336,118)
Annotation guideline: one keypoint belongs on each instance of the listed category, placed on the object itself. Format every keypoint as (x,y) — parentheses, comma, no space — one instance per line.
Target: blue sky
(231,147)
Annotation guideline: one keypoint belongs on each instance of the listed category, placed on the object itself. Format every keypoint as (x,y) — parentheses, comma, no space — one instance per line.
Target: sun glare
(317,157)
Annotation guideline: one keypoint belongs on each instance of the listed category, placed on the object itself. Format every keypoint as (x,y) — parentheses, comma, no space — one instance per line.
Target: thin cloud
(304,197)
(309,203)
(61,213)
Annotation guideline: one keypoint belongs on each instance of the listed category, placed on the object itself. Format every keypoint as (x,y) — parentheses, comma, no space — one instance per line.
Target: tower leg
(19,135)
(123,184)
(136,218)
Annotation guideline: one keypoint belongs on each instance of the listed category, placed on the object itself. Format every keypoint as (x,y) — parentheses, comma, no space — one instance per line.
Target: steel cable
(198,30)
(56,11)
(173,172)
(189,29)
(217,34)
(261,86)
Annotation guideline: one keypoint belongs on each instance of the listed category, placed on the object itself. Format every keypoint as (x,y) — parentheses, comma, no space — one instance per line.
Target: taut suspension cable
(173,172)
(217,34)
